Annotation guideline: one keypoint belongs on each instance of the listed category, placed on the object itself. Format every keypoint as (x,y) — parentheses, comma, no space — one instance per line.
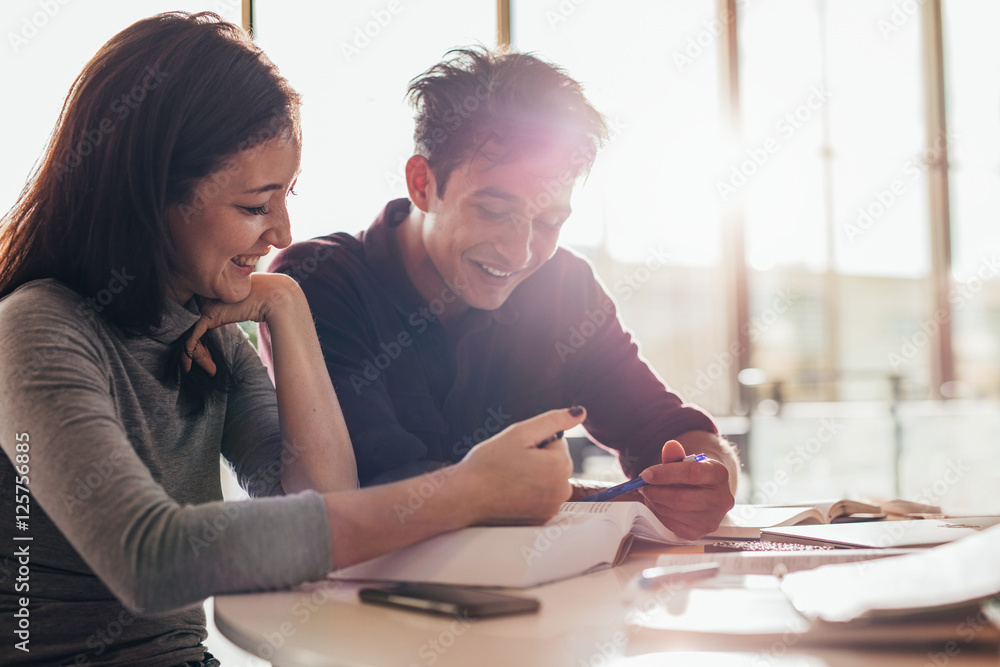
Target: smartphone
(448,600)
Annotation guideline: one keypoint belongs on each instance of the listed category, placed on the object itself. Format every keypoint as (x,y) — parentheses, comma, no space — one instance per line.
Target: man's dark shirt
(415,396)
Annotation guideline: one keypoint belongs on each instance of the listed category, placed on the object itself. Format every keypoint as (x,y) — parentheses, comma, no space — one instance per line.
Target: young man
(456,314)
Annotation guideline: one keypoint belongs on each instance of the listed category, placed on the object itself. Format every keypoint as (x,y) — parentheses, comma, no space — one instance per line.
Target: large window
(973,103)
(650,200)
(45,45)
(837,218)
(832,183)
(353,75)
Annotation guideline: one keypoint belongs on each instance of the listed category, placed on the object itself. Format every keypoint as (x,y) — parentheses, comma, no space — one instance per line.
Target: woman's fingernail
(576,410)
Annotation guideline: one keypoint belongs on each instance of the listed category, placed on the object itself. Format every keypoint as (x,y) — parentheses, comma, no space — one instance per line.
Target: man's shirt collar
(383,253)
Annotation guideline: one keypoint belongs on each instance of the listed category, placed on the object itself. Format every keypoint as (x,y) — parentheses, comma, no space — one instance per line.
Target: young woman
(124,267)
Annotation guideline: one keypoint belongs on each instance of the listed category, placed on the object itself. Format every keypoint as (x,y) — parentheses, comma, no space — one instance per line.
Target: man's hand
(691,497)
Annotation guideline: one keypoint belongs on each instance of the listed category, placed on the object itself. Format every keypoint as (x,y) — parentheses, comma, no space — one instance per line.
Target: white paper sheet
(962,571)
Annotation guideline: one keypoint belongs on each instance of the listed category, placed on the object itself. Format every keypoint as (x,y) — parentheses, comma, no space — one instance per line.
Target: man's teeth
(494,272)
(246,260)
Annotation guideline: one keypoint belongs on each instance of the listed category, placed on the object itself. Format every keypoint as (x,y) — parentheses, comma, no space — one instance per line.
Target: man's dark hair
(513,103)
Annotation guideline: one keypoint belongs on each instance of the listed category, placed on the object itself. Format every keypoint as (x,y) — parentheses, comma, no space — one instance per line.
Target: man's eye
(494,215)
(551,224)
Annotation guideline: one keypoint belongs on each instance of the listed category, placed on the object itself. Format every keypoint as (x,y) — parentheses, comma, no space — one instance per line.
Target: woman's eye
(292,191)
(256,210)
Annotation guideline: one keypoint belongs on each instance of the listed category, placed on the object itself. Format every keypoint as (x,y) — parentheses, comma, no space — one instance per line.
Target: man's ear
(420,182)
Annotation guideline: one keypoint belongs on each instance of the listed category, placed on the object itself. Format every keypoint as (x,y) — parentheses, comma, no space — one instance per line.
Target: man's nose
(515,244)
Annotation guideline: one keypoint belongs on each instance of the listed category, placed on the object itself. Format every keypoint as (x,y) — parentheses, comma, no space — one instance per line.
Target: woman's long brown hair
(161,106)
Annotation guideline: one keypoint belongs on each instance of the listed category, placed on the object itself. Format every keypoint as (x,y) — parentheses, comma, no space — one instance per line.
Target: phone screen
(448,600)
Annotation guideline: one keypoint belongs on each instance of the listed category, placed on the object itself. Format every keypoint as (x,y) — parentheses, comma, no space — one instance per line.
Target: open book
(746,521)
(837,511)
(582,537)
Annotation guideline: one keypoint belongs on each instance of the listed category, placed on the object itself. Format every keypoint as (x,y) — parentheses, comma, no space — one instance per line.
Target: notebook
(581,538)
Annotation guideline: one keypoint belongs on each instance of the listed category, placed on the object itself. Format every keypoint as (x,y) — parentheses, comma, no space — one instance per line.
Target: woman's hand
(517,481)
(269,292)
(506,479)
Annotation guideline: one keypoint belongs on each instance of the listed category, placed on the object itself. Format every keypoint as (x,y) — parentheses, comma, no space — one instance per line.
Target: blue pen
(631,485)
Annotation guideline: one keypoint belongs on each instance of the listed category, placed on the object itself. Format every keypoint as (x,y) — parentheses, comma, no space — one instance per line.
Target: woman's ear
(420,182)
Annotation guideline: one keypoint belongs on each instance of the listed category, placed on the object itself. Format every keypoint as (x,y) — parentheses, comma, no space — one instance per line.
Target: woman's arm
(157,554)
(318,451)
(91,461)
(505,479)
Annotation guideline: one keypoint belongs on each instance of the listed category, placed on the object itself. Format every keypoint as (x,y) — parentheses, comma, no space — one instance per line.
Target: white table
(583,622)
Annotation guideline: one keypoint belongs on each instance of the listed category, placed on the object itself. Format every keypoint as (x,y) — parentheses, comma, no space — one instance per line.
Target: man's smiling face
(495,225)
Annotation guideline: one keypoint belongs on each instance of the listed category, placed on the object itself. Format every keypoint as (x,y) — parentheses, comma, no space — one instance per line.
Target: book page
(633,517)
(589,508)
(908,507)
(848,507)
(648,527)
(831,509)
(618,513)
(745,521)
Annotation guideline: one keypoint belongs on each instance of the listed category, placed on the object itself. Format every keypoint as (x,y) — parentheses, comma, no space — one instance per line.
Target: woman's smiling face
(233,219)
